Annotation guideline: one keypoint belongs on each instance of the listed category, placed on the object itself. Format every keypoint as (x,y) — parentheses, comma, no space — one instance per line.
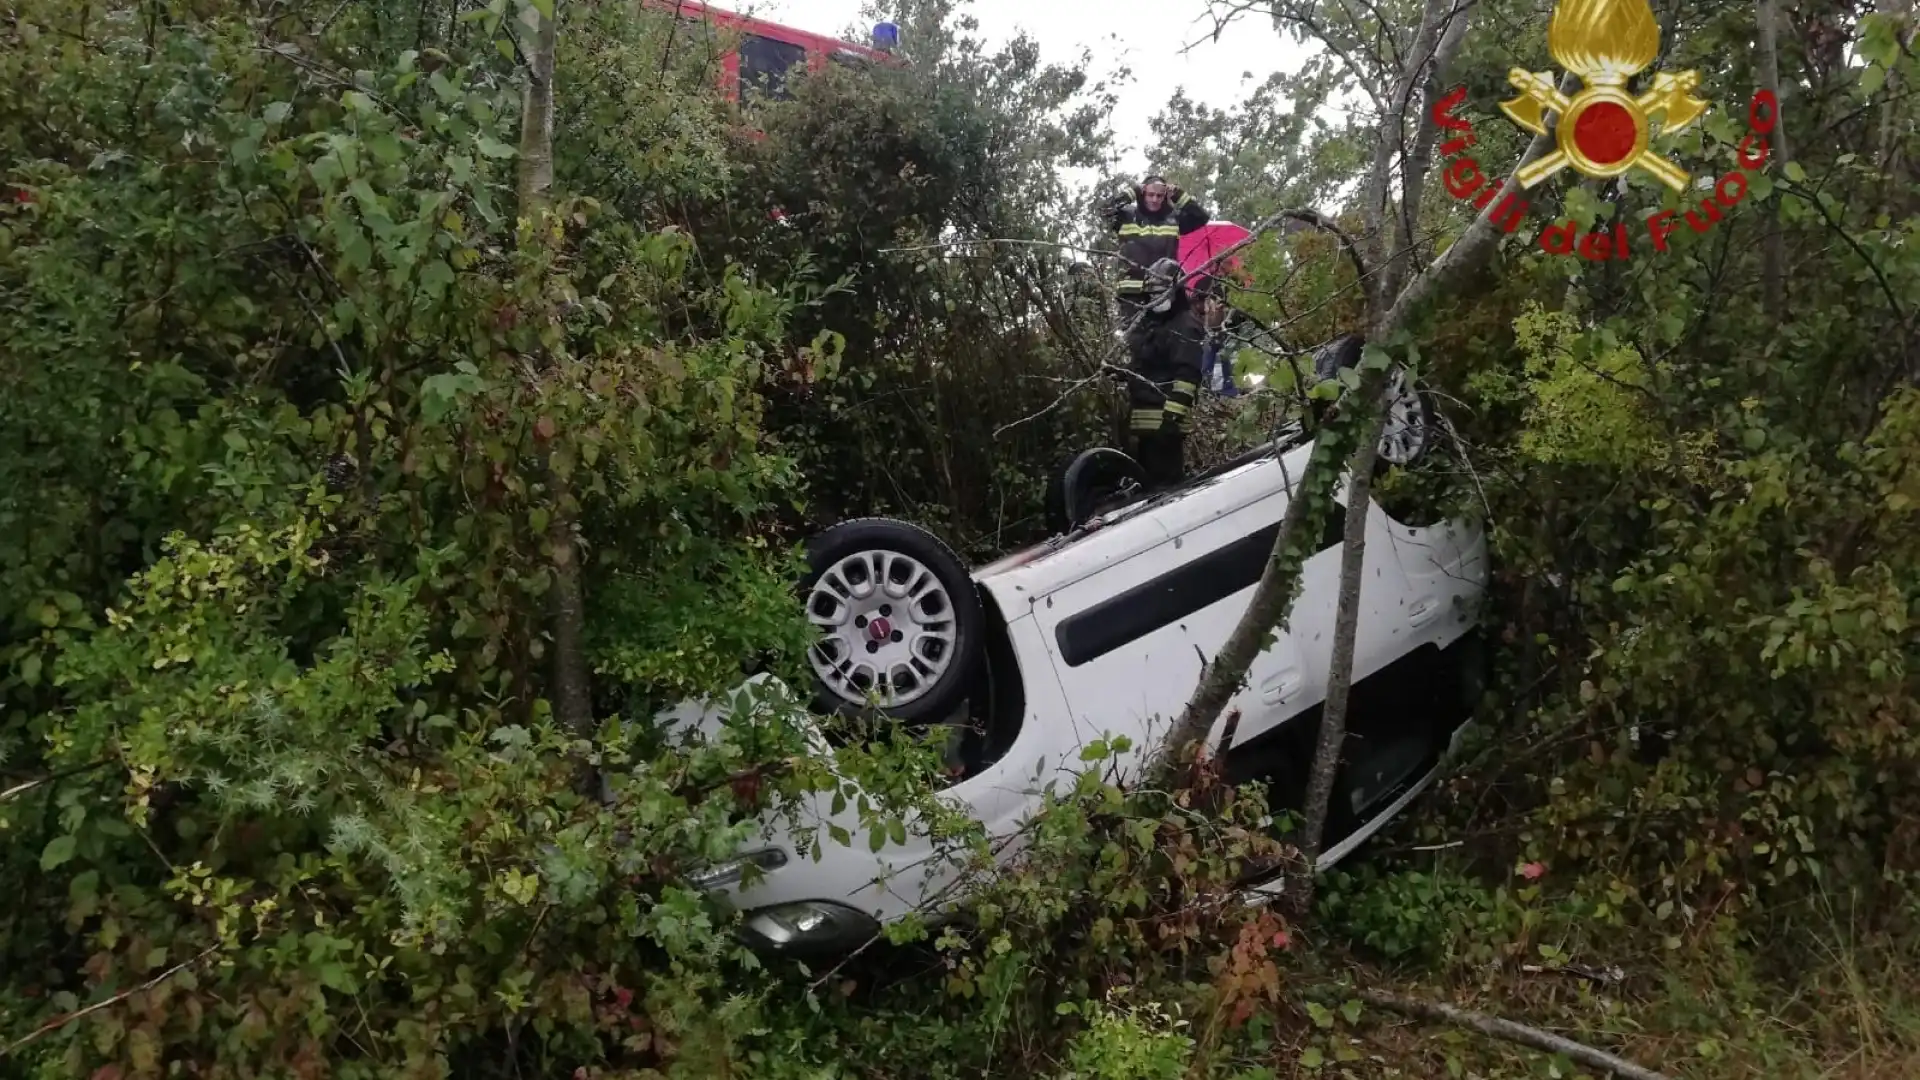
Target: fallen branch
(1506,1029)
(20,789)
(59,1022)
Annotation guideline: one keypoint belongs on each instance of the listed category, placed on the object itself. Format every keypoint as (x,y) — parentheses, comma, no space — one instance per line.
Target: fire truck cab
(754,56)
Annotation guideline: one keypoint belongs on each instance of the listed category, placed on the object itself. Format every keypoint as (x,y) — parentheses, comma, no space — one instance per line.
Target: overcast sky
(1147,35)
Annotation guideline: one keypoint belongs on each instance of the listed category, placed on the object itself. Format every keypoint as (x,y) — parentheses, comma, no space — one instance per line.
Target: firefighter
(1162,331)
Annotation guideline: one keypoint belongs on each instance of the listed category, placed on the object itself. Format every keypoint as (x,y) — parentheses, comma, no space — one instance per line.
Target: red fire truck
(754,56)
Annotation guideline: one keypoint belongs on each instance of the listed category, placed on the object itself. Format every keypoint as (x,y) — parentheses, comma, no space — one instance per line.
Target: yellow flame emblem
(1604,131)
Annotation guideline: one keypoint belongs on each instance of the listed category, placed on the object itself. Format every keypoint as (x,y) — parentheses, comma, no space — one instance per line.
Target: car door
(1130,641)
(1228,546)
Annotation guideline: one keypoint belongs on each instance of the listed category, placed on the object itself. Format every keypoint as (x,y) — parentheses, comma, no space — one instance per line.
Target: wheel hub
(887,628)
(1405,434)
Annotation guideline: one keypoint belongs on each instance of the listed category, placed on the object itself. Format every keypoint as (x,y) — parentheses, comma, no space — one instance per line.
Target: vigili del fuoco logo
(1602,131)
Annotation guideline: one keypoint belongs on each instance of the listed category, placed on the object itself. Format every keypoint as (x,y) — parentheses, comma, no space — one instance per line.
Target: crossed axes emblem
(1603,131)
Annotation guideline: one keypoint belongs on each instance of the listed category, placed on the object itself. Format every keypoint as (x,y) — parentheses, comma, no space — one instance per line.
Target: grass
(1832,1008)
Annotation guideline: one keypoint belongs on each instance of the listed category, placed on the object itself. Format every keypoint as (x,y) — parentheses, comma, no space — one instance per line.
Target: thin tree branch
(1475,244)
(59,1022)
(1511,1032)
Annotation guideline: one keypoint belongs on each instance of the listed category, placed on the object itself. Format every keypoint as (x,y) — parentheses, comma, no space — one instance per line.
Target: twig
(22,788)
(59,1022)
(1506,1029)
(1105,370)
(992,240)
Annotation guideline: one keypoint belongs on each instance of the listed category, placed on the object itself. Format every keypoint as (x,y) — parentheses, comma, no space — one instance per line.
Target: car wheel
(901,624)
(1409,430)
(1093,483)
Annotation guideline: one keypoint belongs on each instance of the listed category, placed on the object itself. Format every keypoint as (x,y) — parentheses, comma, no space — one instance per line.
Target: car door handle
(1423,611)
(1280,687)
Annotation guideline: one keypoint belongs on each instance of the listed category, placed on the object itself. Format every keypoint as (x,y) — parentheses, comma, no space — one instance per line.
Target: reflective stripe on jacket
(1146,238)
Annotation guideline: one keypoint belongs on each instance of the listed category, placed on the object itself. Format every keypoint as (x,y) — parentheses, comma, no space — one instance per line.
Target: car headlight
(721,875)
(809,926)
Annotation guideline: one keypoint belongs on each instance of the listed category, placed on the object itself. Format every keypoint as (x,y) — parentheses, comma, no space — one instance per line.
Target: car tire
(899,615)
(1411,431)
(1077,490)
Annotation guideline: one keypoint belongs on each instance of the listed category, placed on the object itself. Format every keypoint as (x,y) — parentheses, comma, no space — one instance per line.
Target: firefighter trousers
(1165,374)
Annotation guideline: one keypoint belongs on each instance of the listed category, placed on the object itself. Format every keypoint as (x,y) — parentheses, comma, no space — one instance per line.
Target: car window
(764,64)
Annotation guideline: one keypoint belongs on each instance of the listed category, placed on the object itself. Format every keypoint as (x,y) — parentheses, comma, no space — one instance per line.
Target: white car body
(1079,617)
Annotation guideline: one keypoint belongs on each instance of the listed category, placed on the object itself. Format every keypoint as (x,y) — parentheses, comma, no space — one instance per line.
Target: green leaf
(494,148)
(1312,1058)
(385,148)
(1795,172)
(544,7)
(435,276)
(1872,79)
(277,112)
(897,831)
(876,839)
(58,851)
(30,669)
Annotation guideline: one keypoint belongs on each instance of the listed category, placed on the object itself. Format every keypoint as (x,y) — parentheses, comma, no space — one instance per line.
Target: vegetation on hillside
(317,415)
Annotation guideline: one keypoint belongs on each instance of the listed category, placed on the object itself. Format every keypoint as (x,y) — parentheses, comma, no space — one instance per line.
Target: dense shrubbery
(307,419)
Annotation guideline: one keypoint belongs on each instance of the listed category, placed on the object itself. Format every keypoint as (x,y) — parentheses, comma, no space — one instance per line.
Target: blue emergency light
(886,35)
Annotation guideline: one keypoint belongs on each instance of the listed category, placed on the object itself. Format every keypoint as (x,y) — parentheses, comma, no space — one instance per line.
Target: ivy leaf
(58,851)
(494,148)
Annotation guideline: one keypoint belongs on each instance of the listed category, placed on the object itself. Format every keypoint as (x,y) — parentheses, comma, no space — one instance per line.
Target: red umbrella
(1207,241)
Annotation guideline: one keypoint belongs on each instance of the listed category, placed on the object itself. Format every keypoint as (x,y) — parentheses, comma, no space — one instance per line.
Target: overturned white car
(1099,632)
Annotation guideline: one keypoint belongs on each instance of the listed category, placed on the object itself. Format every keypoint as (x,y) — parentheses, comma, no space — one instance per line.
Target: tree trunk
(1773,259)
(1346,624)
(1901,12)
(572,684)
(1273,597)
(534,181)
(1452,32)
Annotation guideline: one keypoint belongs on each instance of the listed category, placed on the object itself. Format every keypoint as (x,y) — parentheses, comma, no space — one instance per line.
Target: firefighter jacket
(1146,238)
